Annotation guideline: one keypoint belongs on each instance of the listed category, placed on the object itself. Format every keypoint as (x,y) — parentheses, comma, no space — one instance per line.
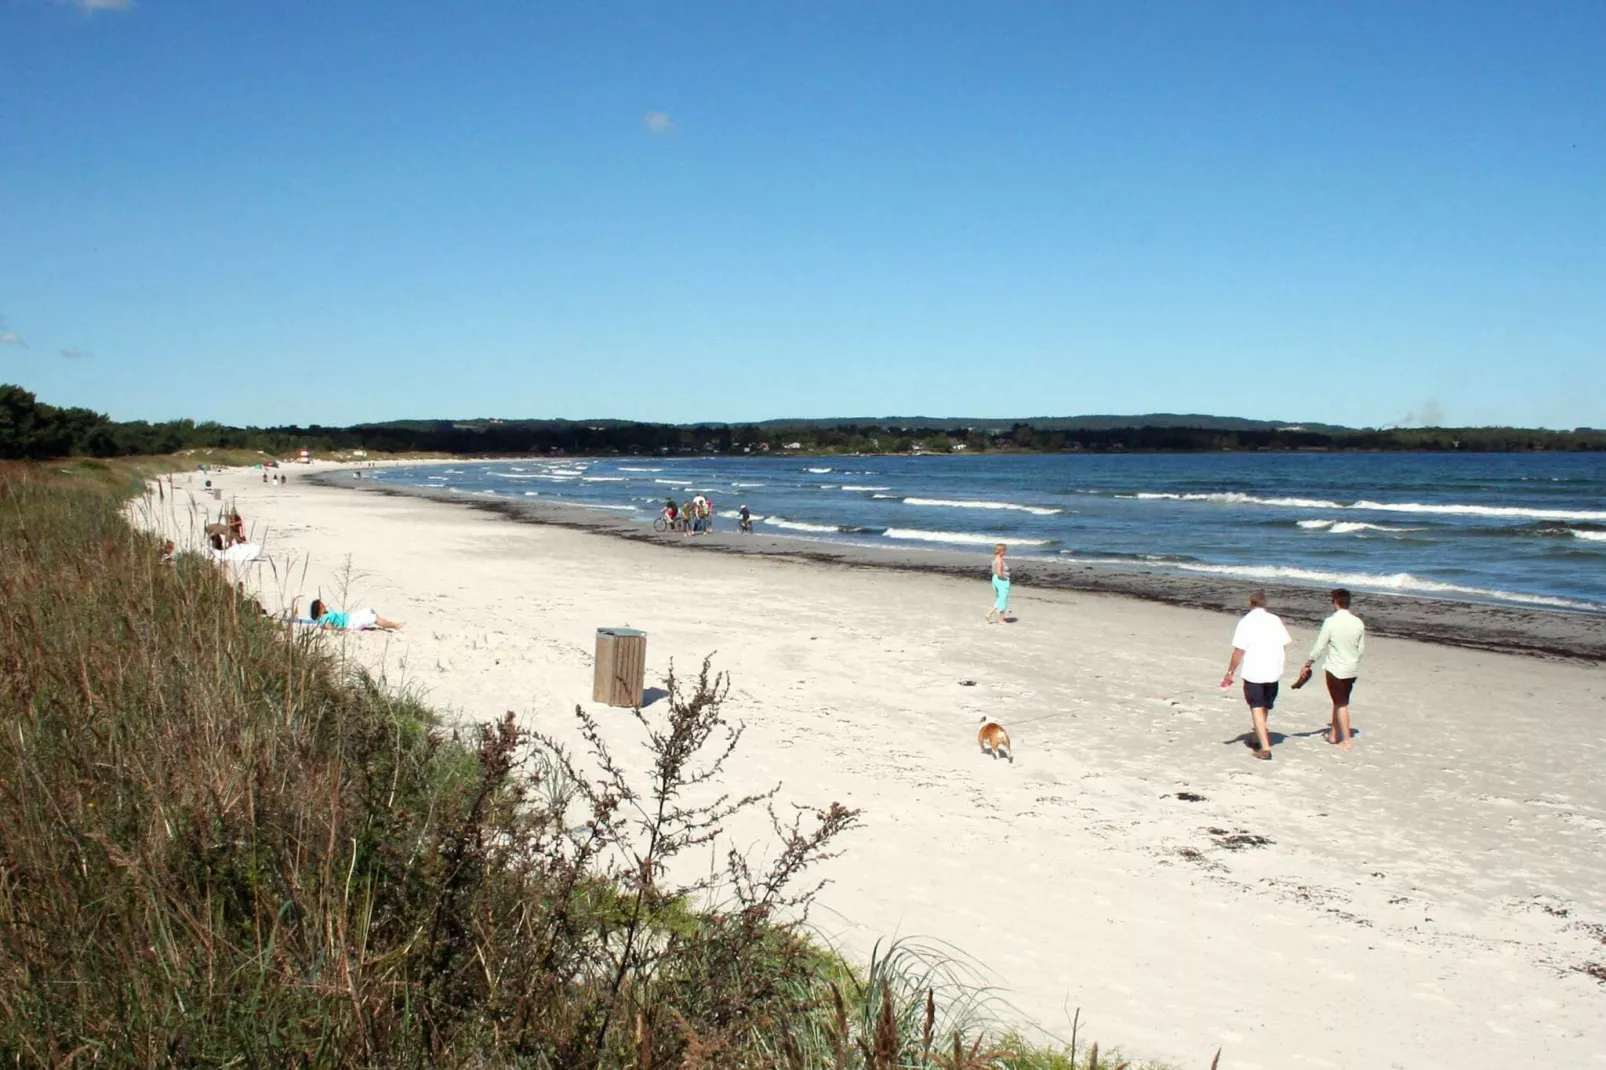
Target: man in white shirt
(1341,641)
(1257,645)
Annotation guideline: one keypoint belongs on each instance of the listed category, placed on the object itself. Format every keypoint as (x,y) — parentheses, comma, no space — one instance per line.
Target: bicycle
(661,524)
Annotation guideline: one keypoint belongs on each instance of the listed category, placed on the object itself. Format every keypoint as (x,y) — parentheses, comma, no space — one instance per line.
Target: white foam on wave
(1235,498)
(964,538)
(956,503)
(610,508)
(626,468)
(602,479)
(1591,536)
(1522,512)
(1395,581)
(1349,527)
(854,486)
(747,486)
(1365,505)
(888,497)
(797,525)
(819,471)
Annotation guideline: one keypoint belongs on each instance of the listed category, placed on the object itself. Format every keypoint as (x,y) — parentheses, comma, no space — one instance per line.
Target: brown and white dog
(994,740)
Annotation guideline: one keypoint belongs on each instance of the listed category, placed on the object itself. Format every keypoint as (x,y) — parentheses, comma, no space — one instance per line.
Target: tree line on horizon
(33,430)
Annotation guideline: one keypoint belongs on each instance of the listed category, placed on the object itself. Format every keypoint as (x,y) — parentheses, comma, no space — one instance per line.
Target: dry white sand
(1423,902)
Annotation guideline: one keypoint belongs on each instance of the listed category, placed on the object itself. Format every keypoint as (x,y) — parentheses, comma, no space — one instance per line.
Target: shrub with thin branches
(222,845)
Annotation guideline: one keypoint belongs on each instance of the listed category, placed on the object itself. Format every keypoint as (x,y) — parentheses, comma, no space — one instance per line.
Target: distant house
(793,446)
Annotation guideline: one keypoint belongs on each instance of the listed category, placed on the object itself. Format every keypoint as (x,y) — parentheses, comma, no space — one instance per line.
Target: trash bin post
(621,667)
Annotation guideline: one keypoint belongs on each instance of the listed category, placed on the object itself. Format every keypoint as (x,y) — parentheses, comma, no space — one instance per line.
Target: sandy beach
(1427,900)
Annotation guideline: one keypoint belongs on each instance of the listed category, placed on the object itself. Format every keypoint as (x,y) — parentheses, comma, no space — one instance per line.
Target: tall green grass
(218,847)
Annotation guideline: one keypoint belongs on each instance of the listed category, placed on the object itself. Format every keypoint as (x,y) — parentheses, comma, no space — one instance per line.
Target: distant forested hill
(1060,423)
(32,429)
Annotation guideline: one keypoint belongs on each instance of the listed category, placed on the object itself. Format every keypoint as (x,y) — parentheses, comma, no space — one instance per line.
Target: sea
(1523,529)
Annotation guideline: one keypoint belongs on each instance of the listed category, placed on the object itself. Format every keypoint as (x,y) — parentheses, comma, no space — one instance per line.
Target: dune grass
(219,846)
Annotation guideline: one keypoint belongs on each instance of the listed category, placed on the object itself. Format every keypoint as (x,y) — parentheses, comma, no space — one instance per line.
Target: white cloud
(12,338)
(99,5)
(658,123)
(74,353)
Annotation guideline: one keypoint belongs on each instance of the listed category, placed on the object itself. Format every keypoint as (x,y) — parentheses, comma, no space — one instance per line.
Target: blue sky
(309,211)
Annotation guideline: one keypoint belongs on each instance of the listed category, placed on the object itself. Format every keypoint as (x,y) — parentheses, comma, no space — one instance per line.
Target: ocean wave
(1395,581)
(1450,509)
(798,525)
(854,486)
(1115,557)
(602,479)
(964,538)
(624,468)
(748,486)
(1235,498)
(610,508)
(1366,505)
(1347,527)
(1591,536)
(819,471)
(955,503)
(888,497)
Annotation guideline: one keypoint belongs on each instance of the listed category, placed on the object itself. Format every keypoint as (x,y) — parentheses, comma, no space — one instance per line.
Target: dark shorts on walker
(1340,688)
(1260,696)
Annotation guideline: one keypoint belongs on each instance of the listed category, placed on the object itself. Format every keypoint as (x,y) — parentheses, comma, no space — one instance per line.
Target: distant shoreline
(1542,632)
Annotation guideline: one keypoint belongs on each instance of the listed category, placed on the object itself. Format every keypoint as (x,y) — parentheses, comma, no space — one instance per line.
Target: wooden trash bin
(621,667)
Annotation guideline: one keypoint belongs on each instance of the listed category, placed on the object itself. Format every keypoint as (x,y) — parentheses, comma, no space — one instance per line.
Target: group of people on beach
(226,532)
(1259,643)
(695,516)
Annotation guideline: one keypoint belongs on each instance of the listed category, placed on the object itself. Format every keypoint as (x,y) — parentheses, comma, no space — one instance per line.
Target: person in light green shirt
(1342,642)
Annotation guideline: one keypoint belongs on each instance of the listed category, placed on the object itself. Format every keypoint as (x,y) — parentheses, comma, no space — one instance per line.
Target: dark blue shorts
(1260,696)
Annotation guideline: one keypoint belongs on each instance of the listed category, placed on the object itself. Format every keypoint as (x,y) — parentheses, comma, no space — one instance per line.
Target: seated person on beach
(356,620)
(236,528)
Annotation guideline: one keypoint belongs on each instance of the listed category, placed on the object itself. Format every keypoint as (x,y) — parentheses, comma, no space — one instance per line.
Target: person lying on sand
(356,620)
